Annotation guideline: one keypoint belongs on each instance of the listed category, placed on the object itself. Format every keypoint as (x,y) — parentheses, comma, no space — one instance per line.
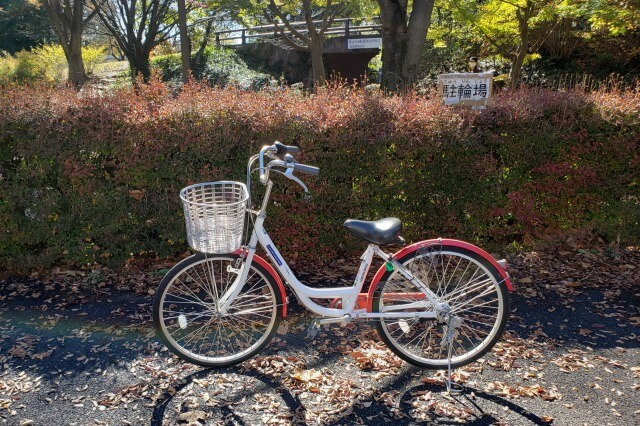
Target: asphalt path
(78,348)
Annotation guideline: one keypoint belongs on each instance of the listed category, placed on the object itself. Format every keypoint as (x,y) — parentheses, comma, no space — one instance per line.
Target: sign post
(473,89)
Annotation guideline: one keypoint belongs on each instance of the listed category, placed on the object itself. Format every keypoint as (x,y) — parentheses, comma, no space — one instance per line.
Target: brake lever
(289,174)
(288,159)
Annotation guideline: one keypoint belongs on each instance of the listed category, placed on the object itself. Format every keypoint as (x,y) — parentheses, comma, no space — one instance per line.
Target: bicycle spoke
(460,282)
(209,337)
(485,305)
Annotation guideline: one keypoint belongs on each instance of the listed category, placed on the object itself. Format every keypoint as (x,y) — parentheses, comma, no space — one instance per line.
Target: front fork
(241,270)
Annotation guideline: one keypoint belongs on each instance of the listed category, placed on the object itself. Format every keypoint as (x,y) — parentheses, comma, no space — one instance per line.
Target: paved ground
(77,348)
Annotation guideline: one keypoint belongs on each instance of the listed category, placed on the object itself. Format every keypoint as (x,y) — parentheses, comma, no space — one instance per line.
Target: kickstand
(451,387)
(313,329)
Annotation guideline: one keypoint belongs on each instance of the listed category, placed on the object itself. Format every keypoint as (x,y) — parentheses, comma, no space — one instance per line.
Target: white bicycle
(437,304)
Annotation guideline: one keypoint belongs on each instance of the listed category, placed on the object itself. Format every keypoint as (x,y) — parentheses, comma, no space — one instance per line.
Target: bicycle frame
(348,295)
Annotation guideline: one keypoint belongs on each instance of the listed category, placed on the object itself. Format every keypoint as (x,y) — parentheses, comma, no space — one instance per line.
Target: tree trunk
(516,66)
(403,41)
(524,15)
(196,64)
(68,22)
(393,19)
(139,64)
(77,74)
(316,48)
(416,36)
(185,52)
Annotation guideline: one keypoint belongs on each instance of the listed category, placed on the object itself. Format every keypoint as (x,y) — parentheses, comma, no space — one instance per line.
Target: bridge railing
(342,27)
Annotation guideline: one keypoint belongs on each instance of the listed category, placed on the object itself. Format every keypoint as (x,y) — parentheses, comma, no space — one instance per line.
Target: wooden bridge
(341,27)
(348,47)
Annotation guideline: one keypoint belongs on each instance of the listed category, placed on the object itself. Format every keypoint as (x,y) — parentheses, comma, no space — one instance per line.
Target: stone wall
(295,66)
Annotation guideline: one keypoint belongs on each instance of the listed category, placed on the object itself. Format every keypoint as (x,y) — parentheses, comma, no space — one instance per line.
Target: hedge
(88,177)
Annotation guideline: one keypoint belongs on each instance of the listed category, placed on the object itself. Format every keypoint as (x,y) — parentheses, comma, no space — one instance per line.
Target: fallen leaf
(42,355)
(137,194)
(306,375)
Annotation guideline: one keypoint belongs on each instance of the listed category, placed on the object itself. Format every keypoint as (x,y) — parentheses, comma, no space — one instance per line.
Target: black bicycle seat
(380,232)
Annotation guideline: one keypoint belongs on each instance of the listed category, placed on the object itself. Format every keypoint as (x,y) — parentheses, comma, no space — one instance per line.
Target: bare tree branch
(276,11)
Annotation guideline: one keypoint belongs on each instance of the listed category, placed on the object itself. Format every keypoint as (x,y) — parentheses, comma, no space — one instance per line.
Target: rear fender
(443,242)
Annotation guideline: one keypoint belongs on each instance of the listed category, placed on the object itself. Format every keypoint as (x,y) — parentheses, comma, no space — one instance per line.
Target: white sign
(364,43)
(465,88)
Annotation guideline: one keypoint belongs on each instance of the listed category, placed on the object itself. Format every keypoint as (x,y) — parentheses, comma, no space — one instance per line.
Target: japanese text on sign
(364,43)
(465,88)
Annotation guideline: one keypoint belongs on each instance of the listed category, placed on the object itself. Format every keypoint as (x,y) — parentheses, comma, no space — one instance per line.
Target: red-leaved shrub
(89,177)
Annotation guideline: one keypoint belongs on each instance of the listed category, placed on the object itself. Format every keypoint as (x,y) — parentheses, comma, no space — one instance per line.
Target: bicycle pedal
(313,329)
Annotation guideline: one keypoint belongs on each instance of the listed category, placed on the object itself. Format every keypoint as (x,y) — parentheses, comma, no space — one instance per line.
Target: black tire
(186,318)
(465,280)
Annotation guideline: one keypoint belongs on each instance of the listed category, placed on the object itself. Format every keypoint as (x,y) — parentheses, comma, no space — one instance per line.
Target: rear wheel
(186,316)
(467,282)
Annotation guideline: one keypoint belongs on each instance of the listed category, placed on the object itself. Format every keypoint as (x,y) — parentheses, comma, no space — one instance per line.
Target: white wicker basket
(214,213)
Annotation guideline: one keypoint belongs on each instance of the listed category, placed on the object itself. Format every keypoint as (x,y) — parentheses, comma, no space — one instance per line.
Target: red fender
(448,242)
(267,266)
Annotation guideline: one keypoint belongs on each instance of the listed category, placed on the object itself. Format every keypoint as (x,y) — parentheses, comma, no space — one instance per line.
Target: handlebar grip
(282,149)
(303,168)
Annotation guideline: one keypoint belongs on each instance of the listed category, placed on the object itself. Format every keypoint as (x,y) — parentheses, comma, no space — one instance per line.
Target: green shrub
(45,63)
(221,67)
(96,178)
(7,68)
(93,56)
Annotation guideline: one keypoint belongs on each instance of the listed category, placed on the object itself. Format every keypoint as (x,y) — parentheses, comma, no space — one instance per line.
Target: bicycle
(438,304)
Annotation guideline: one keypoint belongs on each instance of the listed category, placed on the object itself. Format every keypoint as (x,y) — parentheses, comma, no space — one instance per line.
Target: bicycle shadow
(468,401)
(293,403)
(476,403)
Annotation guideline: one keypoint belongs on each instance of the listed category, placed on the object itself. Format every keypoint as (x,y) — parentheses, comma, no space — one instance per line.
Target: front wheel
(465,281)
(187,318)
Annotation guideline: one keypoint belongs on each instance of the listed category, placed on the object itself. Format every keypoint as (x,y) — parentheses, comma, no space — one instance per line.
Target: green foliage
(7,68)
(221,67)
(497,22)
(449,45)
(93,56)
(23,25)
(615,18)
(373,68)
(95,178)
(573,36)
(45,63)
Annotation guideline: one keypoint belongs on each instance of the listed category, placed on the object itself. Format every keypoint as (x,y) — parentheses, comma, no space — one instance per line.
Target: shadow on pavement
(292,402)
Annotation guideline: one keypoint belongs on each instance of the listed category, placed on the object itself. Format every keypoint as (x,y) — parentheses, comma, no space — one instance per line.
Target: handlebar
(303,168)
(279,149)
(282,149)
